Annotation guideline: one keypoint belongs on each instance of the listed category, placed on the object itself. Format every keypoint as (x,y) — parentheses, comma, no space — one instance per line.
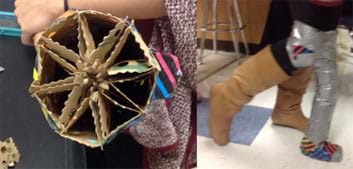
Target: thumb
(36,37)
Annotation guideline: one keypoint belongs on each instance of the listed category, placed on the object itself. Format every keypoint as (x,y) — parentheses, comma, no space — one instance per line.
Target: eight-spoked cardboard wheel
(95,76)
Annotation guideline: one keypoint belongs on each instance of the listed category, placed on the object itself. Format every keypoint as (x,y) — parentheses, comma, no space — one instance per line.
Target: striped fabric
(168,76)
(301,50)
(322,152)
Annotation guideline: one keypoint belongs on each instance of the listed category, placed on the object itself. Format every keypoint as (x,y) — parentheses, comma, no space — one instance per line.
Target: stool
(235,26)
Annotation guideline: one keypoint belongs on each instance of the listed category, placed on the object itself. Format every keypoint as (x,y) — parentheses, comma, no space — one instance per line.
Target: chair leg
(241,25)
(214,26)
(233,32)
(203,31)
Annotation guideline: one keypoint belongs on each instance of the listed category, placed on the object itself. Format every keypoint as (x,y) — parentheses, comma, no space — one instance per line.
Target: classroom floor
(277,147)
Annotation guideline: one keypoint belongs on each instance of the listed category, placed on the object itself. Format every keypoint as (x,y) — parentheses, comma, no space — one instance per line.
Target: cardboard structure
(94,76)
(9,154)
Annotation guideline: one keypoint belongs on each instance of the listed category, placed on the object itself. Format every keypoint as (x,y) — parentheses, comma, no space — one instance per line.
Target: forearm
(134,9)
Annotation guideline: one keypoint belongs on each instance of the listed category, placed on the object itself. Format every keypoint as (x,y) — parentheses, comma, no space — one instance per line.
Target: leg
(314,144)
(313,42)
(256,74)
(287,111)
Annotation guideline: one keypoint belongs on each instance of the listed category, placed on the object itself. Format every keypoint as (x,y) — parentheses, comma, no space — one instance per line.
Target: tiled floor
(212,63)
(278,147)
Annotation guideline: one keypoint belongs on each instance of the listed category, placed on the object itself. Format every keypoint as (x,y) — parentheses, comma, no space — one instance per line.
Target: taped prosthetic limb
(287,111)
(322,55)
(312,43)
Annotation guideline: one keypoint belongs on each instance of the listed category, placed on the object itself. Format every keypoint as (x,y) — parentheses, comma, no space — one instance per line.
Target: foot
(324,151)
(292,120)
(220,120)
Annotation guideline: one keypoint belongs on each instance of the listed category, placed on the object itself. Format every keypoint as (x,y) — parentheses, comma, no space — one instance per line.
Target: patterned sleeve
(182,18)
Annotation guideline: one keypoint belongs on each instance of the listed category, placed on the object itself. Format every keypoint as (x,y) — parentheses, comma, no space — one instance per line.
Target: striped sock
(324,151)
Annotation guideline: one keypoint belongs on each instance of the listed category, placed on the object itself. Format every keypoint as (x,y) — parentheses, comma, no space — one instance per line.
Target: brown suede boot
(255,75)
(287,111)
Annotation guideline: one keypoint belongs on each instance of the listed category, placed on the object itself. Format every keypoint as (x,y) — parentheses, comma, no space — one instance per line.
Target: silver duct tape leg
(324,101)
(326,88)
(308,46)
(302,44)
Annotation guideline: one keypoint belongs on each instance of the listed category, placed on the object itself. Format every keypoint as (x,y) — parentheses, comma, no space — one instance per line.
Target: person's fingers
(27,38)
(17,3)
(21,8)
(16,12)
(19,15)
(37,37)
(17,9)
(21,11)
(18,6)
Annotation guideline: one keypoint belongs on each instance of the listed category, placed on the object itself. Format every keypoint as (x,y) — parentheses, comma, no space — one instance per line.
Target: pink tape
(166,69)
(176,60)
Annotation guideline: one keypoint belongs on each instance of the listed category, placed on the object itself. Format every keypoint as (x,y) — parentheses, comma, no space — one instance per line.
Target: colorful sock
(324,151)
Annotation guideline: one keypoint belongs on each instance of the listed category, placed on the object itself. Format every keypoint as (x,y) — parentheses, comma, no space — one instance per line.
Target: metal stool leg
(235,25)
(214,20)
(241,25)
(203,30)
(232,29)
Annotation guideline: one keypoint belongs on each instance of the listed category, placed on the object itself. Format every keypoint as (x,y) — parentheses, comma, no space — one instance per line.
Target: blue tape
(161,86)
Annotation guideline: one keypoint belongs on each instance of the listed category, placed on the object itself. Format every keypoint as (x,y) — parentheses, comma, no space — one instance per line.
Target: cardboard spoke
(62,51)
(86,42)
(54,89)
(84,105)
(68,82)
(108,42)
(104,116)
(93,103)
(57,59)
(110,61)
(71,105)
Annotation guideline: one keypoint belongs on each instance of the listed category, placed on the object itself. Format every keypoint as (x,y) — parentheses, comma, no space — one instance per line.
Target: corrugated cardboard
(9,154)
(95,76)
